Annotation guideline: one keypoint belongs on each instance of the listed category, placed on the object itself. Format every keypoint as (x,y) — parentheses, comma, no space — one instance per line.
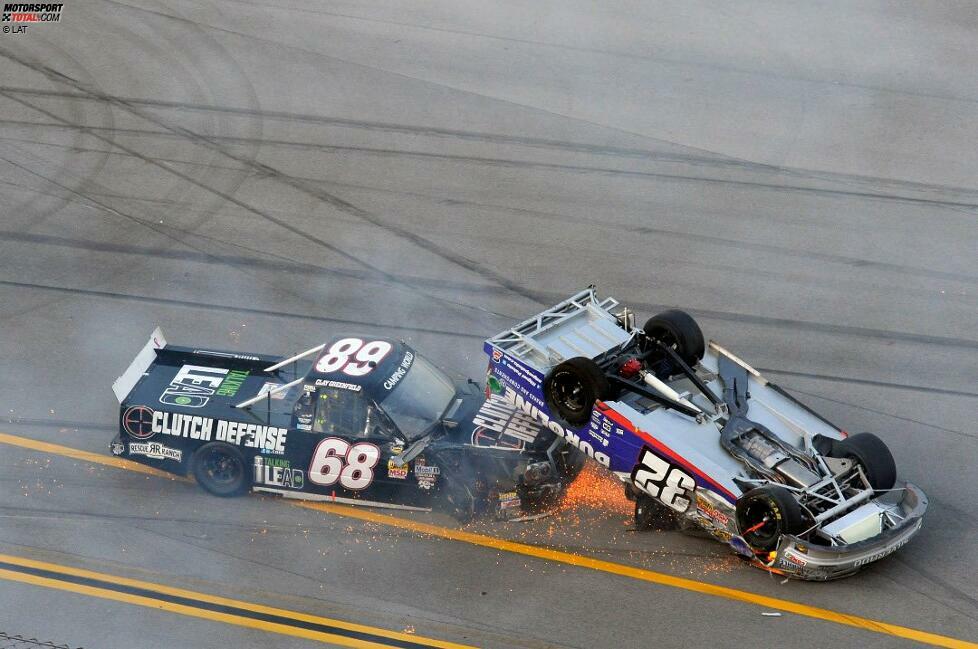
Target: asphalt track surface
(260,176)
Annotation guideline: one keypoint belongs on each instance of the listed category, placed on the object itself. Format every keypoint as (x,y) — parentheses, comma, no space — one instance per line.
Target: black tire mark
(706,158)
(259,260)
(106,119)
(271,172)
(874,383)
(233,309)
(636,229)
(579,169)
(549,298)
(958,433)
(624,55)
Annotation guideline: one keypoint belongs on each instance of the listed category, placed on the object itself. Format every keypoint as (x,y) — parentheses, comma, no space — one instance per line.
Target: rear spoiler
(125,383)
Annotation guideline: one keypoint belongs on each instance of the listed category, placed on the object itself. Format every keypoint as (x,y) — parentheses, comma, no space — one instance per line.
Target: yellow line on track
(87,456)
(567,558)
(161,603)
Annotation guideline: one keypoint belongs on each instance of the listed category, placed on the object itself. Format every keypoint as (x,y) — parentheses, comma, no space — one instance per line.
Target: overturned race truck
(692,428)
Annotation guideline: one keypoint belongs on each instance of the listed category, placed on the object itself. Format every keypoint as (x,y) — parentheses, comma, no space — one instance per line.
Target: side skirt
(298,495)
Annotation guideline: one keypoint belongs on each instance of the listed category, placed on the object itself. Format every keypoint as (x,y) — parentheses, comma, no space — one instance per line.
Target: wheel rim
(761,524)
(222,468)
(568,391)
(665,337)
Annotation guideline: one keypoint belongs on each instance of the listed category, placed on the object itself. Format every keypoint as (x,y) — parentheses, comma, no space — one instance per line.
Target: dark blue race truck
(360,419)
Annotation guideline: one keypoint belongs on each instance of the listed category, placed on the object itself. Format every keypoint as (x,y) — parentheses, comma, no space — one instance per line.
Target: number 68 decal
(335,460)
(663,481)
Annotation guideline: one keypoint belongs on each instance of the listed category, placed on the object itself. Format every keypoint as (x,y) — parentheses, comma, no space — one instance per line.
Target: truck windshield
(419,399)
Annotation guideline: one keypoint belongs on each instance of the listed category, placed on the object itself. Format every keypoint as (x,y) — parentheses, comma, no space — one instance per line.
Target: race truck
(693,430)
(361,420)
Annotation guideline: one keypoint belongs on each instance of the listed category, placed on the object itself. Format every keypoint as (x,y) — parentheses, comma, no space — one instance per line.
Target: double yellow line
(548,554)
(210,607)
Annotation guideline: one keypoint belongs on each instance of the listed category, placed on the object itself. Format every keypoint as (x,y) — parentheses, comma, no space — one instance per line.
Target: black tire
(458,500)
(765,514)
(647,512)
(572,387)
(570,464)
(678,330)
(650,514)
(872,454)
(221,469)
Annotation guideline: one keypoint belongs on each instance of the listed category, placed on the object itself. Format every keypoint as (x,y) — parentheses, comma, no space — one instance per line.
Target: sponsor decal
(276,396)
(193,386)
(426,474)
(399,373)
(569,436)
(711,512)
(138,422)
(240,357)
(499,424)
(118,448)
(155,450)
(342,385)
(232,383)
(497,355)
(882,553)
(270,439)
(791,560)
(277,472)
(493,386)
(509,500)
(395,471)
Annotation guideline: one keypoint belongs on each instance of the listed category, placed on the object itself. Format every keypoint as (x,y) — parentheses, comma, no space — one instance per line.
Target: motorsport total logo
(32,13)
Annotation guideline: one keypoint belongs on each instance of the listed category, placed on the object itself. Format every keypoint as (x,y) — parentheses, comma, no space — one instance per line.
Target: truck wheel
(570,463)
(678,330)
(572,387)
(458,500)
(650,514)
(220,469)
(872,454)
(766,513)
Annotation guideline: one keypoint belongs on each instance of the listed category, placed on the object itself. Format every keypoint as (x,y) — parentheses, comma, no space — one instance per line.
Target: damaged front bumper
(803,560)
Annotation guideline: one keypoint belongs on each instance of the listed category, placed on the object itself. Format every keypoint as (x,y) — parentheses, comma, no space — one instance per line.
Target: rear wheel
(678,330)
(572,387)
(220,469)
(765,514)
(869,451)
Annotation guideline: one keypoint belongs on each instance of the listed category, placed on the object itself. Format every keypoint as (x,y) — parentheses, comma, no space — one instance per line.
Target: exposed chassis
(717,392)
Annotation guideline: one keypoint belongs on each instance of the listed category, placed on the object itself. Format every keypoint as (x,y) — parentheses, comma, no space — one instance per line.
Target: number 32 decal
(662,480)
(336,460)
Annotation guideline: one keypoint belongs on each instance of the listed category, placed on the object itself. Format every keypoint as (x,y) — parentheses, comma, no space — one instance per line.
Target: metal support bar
(275,390)
(655,396)
(295,358)
(860,497)
(691,374)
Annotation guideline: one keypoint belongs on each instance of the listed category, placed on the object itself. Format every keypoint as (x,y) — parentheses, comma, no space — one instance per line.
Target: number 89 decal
(336,460)
(663,481)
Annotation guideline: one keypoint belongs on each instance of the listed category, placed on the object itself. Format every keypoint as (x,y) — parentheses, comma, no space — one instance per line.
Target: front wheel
(765,514)
(220,469)
(871,453)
